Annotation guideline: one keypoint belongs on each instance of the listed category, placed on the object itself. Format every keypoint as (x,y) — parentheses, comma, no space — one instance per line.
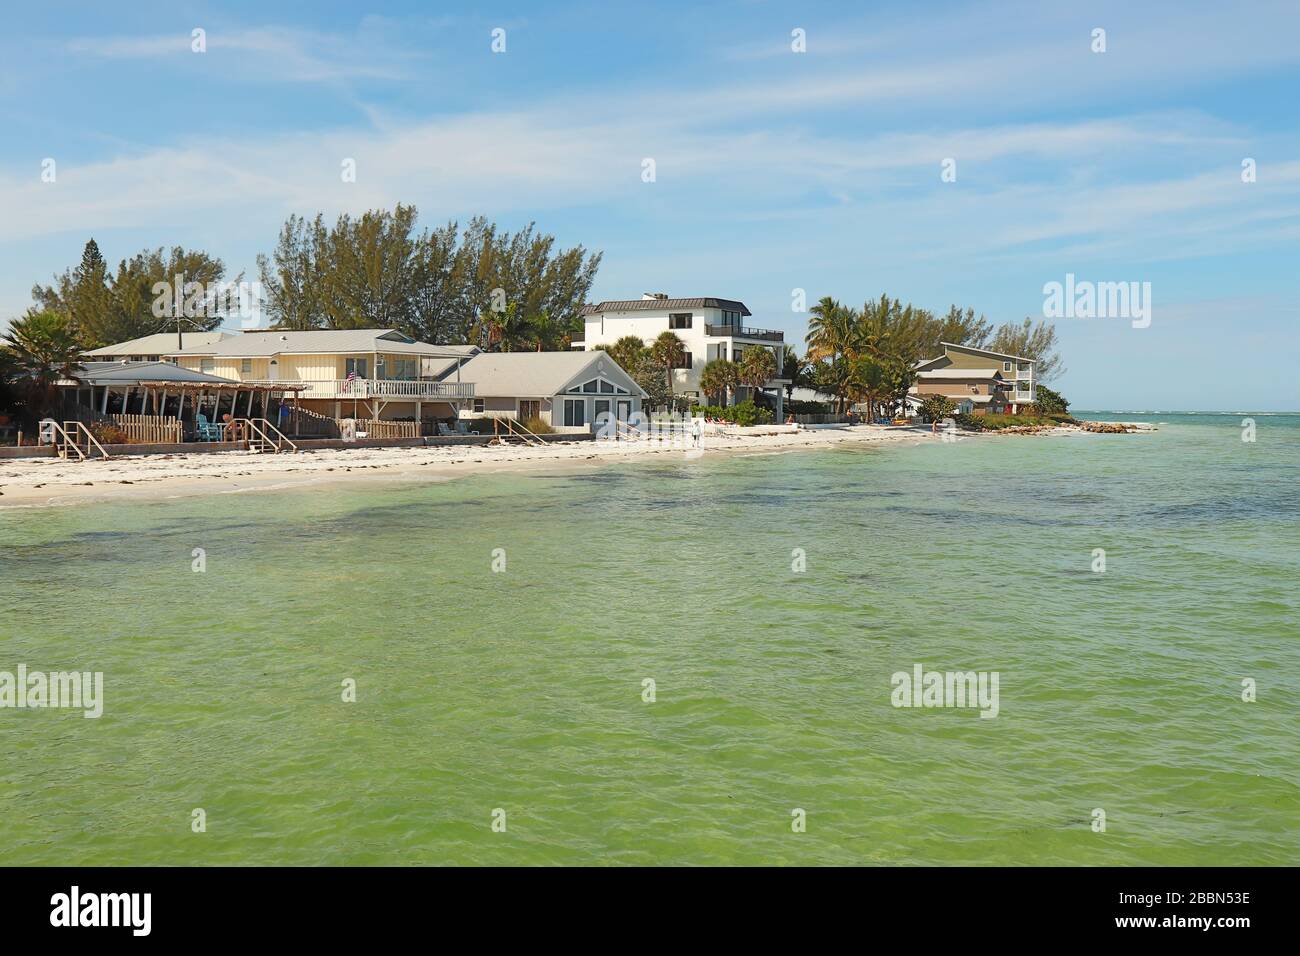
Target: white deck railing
(382,388)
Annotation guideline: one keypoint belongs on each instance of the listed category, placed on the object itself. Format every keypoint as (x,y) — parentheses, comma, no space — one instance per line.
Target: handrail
(258,433)
(68,441)
(514,428)
(62,442)
(283,438)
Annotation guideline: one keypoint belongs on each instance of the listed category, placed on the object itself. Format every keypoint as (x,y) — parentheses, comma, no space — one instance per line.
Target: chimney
(654,295)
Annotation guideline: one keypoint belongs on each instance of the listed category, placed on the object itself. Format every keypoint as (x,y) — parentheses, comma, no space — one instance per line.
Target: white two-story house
(711,328)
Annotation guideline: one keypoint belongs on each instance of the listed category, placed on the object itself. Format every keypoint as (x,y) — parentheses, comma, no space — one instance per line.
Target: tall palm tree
(669,351)
(757,366)
(42,350)
(719,377)
(832,330)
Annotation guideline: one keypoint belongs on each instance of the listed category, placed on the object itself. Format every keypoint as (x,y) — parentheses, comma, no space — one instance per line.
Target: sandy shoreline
(41,482)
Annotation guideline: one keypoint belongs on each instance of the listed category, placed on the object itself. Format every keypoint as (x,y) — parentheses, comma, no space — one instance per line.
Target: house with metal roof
(151,348)
(372,373)
(570,391)
(710,328)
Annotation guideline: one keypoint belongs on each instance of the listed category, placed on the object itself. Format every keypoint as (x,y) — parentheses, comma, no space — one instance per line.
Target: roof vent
(654,295)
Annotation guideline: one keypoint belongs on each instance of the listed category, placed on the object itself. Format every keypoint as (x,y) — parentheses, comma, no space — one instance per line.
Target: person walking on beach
(697,432)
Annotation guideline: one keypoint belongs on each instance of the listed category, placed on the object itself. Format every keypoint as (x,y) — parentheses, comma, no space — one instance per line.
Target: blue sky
(775,170)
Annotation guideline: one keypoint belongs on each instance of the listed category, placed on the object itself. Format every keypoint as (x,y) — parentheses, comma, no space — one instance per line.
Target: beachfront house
(375,374)
(991,382)
(711,328)
(152,348)
(569,391)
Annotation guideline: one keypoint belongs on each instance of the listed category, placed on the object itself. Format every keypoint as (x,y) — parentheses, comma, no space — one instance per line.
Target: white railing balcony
(393,389)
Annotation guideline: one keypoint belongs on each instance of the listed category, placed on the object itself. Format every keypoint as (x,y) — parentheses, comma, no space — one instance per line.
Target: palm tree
(719,377)
(832,330)
(669,351)
(757,366)
(42,350)
(627,353)
(795,369)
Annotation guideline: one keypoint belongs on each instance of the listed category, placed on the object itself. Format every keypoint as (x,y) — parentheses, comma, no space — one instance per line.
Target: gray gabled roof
(537,374)
(637,305)
(125,373)
(161,343)
(268,342)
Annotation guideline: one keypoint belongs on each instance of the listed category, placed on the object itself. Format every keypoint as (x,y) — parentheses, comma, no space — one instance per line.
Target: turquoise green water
(522,690)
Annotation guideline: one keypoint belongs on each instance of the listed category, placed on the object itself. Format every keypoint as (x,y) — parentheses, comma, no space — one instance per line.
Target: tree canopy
(481,285)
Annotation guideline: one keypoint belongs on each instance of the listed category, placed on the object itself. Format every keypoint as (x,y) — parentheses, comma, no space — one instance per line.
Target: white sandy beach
(36,482)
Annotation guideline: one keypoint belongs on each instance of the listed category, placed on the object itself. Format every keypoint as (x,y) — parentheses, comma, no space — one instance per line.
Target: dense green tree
(442,285)
(628,352)
(718,378)
(138,298)
(1050,401)
(757,367)
(40,349)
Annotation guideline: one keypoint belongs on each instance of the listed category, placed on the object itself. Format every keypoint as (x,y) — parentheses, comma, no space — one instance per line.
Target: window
(735,355)
(245,366)
(1006,366)
(206,365)
(406,370)
(358,365)
(530,408)
(380,369)
(478,406)
(606,387)
(730,318)
(575,412)
(602,408)
(686,361)
(589,386)
(680,320)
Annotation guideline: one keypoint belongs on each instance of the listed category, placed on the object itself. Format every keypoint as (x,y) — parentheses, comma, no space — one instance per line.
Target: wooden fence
(148,429)
(384,429)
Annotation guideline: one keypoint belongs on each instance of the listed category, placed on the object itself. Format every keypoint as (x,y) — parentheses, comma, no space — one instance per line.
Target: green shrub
(745,414)
(999,422)
(935,408)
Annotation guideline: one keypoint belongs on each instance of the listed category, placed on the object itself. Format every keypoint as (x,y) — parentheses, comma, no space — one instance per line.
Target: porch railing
(741,332)
(382,388)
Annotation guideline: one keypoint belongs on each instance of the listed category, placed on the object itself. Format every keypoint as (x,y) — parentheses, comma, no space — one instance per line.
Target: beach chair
(205,430)
(462,428)
(444,430)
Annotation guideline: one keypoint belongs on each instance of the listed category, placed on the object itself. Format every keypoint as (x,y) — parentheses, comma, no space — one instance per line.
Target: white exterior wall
(552,409)
(604,329)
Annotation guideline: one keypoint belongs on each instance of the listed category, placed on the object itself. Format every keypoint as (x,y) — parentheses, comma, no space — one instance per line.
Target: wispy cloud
(285,53)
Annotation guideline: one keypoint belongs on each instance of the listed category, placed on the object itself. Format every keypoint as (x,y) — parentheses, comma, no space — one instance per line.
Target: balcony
(389,388)
(740,332)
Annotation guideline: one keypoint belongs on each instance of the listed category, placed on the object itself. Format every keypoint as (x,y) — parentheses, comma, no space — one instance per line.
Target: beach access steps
(260,434)
(516,430)
(69,437)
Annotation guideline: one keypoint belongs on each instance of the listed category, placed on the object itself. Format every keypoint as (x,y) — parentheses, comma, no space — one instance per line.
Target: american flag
(352,377)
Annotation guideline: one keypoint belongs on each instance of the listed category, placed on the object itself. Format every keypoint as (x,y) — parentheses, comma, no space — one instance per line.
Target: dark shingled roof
(632,305)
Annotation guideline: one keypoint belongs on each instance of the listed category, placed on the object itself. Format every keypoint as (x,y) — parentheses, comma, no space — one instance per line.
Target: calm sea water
(522,690)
